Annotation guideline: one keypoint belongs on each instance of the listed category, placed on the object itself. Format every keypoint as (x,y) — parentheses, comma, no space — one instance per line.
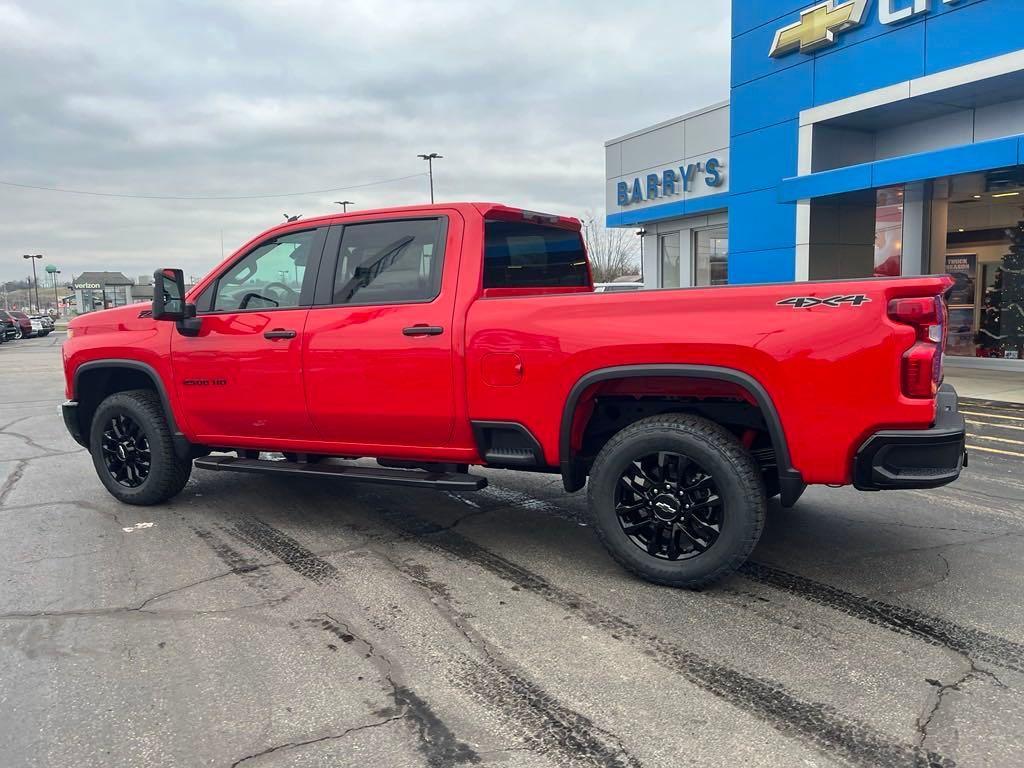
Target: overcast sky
(232,97)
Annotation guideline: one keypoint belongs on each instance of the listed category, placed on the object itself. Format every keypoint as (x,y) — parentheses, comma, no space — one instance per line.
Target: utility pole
(344,204)
(430,170)
(34,279)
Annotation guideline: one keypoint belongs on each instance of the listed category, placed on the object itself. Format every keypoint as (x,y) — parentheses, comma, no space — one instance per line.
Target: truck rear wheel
(133,451)
(677,500)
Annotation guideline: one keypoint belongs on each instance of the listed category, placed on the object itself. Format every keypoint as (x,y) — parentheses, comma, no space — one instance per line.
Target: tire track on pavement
(247,568)
(936,631)
(546,725)
(265,538)
(818,725)
(973,643)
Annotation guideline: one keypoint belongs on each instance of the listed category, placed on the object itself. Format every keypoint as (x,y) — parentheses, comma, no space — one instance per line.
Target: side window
(521,255)
(389,262)
(268,277)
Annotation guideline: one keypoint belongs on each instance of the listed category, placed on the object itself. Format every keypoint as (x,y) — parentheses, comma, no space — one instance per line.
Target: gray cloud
(234,97)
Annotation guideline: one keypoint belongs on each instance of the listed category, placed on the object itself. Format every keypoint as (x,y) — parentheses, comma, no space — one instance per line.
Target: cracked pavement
(275,622)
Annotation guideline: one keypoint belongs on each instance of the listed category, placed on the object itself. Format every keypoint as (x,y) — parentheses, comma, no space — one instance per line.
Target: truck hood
(133,317)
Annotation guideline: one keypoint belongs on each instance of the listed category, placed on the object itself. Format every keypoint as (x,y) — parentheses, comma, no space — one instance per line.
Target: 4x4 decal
(801,302)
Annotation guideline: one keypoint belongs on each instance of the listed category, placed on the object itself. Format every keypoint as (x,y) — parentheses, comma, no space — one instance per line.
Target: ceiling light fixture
(1007,194)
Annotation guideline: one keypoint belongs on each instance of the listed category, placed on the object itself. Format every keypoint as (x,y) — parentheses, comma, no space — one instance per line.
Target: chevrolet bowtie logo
(818,26)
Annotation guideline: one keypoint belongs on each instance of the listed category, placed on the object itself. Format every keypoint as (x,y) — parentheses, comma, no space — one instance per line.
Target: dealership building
(861,138)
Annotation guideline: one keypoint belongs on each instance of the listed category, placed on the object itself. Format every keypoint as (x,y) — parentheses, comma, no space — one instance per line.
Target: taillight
(922,363)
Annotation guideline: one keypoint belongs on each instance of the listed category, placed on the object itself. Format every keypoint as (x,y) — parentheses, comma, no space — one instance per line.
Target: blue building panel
(877,62)
(773,99)
(673,210)
(758,222)
(1000,153)
(826,183)
(974,32)
(761,159)
(748,66)
(772,266)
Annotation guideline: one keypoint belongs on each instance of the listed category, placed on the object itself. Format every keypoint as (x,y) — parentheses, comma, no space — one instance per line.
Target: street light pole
(430,170)
(34,278)
(344,204)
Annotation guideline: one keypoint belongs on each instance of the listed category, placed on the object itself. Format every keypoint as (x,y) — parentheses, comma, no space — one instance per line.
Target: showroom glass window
(668,256)
(889,232)
(711,257)
(92,300)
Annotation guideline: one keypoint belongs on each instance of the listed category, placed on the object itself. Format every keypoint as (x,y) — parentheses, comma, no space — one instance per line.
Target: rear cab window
(524,255)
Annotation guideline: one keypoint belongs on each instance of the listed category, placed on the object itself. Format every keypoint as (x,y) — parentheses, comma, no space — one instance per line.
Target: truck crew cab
(433,338)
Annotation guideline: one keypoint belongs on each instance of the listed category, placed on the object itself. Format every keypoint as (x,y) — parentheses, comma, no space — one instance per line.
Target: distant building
(103,290)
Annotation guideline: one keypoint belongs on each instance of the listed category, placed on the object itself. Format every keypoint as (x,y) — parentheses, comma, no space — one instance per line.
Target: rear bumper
(69,411)
(919,458)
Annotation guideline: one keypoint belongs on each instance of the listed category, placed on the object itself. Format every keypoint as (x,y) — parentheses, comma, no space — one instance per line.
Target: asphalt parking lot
(267,622)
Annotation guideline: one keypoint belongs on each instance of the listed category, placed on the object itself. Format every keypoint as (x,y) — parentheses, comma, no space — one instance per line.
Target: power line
(207,197)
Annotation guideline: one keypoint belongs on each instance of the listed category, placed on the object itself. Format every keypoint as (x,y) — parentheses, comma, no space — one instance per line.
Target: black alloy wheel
(677,500)
(132,444)
(126,451)
(669,506)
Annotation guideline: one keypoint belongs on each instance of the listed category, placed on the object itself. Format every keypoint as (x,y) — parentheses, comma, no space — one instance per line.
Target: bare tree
(613,252)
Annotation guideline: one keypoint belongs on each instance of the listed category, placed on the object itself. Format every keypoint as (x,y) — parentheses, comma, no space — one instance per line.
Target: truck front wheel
(677,500)
(133,451)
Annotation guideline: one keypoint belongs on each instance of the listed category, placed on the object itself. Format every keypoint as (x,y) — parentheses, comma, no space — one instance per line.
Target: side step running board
(444,481)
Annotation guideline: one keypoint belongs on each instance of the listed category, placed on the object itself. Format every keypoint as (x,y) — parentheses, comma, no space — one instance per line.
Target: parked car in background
(42,325)
(23,323)
(616,287)
(8,328)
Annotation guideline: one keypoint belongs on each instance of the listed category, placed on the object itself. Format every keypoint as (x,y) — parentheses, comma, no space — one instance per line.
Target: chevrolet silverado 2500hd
(438,337)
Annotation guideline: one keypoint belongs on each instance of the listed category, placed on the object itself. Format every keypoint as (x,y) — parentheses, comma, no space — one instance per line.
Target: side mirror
(169,295)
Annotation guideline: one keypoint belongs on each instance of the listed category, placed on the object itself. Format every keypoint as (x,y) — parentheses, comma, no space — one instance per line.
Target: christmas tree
(1001,331)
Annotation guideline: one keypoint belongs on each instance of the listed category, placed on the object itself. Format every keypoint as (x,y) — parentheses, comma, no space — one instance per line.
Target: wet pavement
(264,621)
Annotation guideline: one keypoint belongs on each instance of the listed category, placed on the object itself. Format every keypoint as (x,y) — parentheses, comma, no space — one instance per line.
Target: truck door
(241,376)
(379,351)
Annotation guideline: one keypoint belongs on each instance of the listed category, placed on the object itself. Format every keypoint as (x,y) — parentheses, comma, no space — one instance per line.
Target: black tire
(18,335)
(708,456)
(165,475)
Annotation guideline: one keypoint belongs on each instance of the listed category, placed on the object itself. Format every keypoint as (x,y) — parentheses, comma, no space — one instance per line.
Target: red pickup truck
(437,337)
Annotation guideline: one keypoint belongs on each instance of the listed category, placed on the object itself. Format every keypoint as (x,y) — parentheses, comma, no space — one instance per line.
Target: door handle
(279,333)
(423,330)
